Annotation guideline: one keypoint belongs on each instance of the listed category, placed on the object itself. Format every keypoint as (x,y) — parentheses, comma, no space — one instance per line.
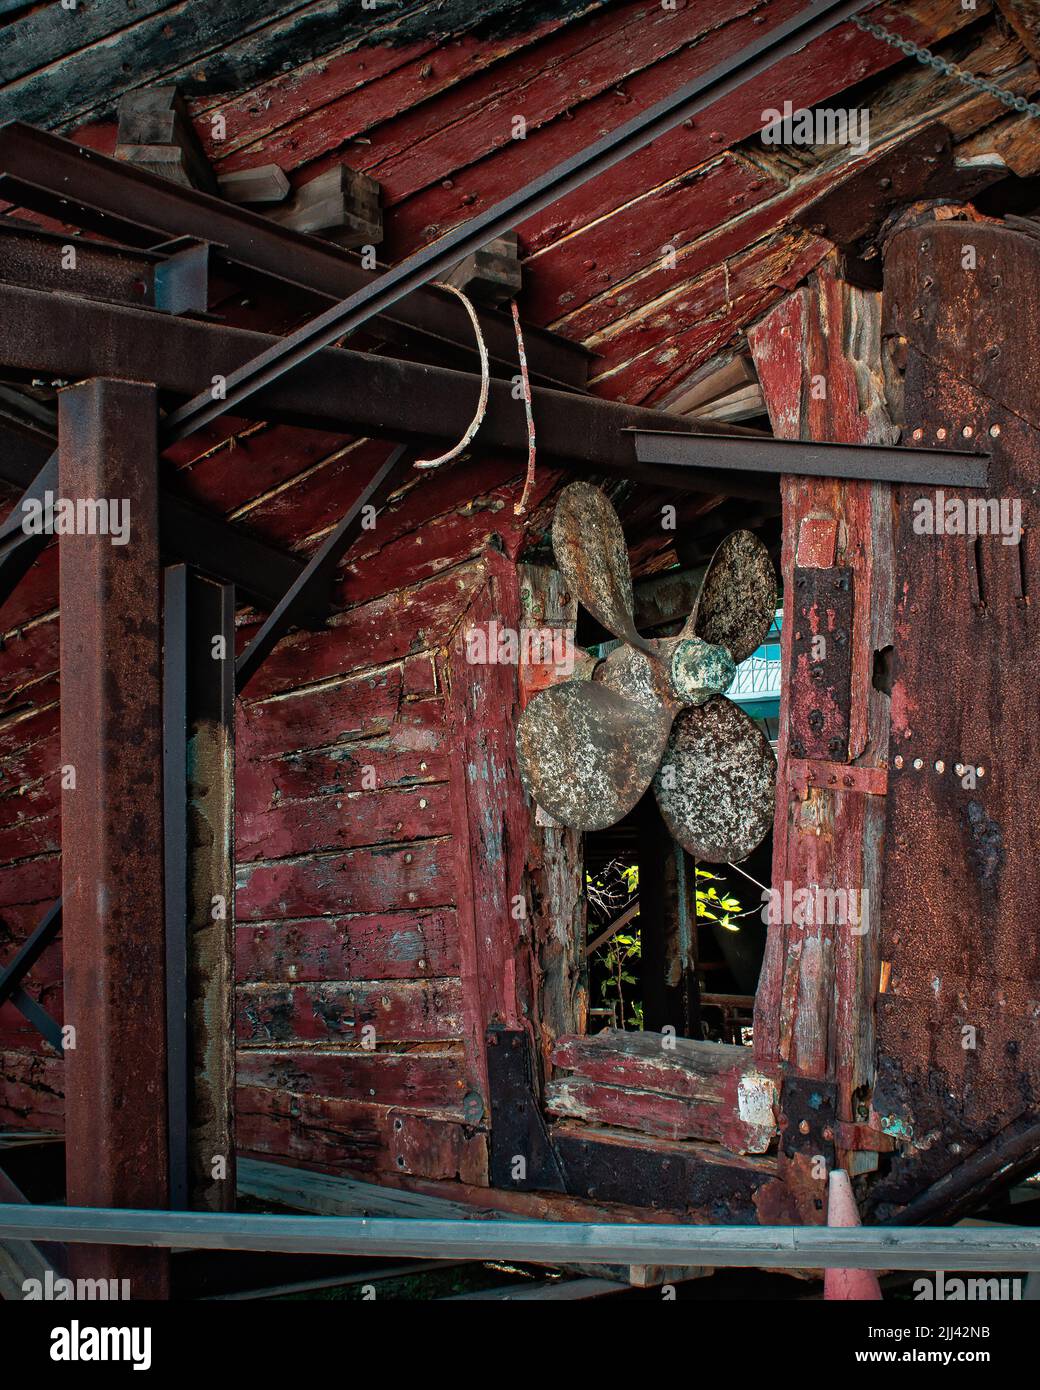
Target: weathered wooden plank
(167,40)
(625,47)
(260,183)
(491,821)
(45,35)
(326,1194)
(382,879)
(358,1011)
(393,762)
(654,228)
(322,104)
(338,711)
(343,821)
(815,1004)
(631,1080)
(31,1089)
(575,1098)
(372,634)
(818,71)
(360,1138)
(401,945)
(31,881)
(555,873)
(645,354)
(414,1079)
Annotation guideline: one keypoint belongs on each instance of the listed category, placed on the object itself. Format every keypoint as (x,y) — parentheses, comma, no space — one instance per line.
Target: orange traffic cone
(841,1211)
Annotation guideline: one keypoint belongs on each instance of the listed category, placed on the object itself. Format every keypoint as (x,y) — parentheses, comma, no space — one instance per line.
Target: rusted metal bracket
(807,1116)
(522,1154)
(820,700)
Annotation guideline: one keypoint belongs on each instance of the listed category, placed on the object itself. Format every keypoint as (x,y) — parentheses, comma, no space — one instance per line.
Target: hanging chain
(932,60)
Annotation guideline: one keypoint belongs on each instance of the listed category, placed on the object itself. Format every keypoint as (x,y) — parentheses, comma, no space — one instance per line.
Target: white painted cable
(485,382)
(520,507)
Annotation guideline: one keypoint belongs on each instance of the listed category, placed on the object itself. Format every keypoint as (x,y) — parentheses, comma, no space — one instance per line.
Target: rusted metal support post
(198,712)
(111,754)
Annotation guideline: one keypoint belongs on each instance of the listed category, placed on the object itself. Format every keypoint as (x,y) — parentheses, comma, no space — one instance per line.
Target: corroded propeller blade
(640,677)
(717,782)
(738,597)
(590,550)
(587,754)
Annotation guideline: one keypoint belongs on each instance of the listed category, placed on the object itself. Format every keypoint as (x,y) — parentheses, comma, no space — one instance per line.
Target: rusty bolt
(836,746)
(899,760)
(798,748)
(816,720)
(940,433)
(918,434)
(803,1128)
(994,431)
(828,1133)
(967,431)
(884,183)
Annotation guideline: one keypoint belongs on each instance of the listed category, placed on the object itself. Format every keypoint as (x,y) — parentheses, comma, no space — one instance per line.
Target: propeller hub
(700,670)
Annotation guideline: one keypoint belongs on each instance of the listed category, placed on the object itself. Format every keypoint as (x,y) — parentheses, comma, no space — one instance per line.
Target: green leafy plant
(713,906)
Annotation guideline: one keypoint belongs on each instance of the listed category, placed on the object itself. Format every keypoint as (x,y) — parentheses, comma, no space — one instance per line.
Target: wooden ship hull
(382,949)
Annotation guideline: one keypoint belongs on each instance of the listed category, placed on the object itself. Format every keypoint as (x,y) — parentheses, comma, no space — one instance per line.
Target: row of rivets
(959,768)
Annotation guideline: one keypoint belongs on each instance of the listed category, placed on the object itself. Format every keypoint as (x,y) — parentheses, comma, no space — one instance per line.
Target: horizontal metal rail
(415,270)
(870,462)
(1003,1249)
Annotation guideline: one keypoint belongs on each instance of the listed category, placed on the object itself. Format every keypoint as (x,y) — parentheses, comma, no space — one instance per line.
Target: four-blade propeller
(654,710)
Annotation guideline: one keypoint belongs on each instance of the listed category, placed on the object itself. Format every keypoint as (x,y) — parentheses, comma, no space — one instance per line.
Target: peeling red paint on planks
(330,1010)
(390,945)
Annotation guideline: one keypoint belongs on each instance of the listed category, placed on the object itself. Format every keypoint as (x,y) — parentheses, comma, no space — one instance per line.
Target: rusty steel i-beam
(112,882)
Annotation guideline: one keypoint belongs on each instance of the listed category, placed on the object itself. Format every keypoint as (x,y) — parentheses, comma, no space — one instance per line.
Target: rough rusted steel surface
(111,753)
(819,702)
(958,1037)
(738,597)
(717,781)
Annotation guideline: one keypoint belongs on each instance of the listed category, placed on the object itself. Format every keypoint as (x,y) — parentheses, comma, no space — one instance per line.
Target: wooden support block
(264,184)
(156,133)
(199,882)
(713,382)
(491,274)
(340,205)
